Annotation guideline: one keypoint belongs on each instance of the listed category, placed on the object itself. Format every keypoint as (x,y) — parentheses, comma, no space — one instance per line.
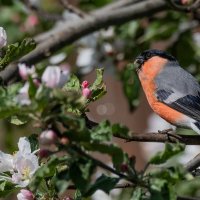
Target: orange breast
(147,75)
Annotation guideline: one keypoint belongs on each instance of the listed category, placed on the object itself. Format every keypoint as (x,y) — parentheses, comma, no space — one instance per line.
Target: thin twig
(73,9)
(118,186)
(102,165)
(189,8)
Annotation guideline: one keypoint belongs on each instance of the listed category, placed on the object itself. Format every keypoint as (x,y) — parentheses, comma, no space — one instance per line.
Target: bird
(171,91)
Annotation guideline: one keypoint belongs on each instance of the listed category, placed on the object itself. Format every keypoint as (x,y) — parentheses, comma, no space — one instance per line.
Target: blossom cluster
(20,167)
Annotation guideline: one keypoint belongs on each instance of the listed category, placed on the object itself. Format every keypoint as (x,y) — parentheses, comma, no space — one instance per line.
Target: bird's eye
(148,55)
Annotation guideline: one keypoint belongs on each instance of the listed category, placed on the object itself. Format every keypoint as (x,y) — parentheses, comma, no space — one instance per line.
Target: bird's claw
(166,131)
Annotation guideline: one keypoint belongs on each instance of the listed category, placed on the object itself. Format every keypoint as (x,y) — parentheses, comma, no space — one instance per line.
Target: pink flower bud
(44,153)
(86,92)
(48,137)
(3,37)
(64,140)
(32,20)
(25,71)
(25,195)
(85,84)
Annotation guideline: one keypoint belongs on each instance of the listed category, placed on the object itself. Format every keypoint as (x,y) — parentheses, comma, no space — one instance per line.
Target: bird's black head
(146,55)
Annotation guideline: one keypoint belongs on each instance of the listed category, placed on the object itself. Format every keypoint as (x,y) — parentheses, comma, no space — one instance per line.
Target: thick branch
(162,138)
(70,32)
(193,164)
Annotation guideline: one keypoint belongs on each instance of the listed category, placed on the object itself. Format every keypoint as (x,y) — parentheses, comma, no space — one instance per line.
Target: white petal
(51,76)
(6,162)
(24,145)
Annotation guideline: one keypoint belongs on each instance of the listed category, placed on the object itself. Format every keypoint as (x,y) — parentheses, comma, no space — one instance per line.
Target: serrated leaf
(104,183)
(169,151)
(16,51)
(120,130)
(116,153)
(102,132)
(84,169)
(46,171)
(77,195)
(131,86)
(137,194)
(8,104)
(18,120)
(33,139)
(73,84)
(98,87)
(6,188)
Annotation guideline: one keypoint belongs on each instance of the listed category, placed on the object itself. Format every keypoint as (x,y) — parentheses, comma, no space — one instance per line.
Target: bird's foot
(166,131)
(170,133)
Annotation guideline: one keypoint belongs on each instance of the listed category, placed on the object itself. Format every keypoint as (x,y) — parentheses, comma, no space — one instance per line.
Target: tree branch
(162,138)
(66,34)
(193,164)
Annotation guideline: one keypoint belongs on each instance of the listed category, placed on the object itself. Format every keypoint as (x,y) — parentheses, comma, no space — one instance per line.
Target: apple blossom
(3,37)
(25,71)
(22,165)
(54,76)
(25,195)
(23,97)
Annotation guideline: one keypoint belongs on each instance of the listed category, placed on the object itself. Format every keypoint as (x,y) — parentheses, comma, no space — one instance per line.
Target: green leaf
(80,173)
(102,132)
(73,84)
(116,153)
(18,120)
(120,130)
(170,151)
(104,183)
(137,194)
(190,188)
(33,139)
(77,195)
(6,188)
(46,171)
(98,87)
(16,51)
(8,104)
(131,85)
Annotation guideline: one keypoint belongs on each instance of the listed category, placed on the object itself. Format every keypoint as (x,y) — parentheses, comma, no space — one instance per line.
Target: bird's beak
(138,62)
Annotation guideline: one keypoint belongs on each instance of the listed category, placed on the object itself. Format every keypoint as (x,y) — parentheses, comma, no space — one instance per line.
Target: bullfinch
(172,92)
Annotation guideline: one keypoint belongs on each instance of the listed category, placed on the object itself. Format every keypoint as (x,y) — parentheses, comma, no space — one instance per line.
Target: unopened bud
(86,92)
(44,153)
(25,195)
(3,37)
(124,167)
(48,137)
(64,140)
(85,84)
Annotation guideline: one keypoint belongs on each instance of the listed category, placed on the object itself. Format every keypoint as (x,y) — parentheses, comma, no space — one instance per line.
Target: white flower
(3,37)
(54,76)
(25,71)
(25,195)
(23,96)
(22,165)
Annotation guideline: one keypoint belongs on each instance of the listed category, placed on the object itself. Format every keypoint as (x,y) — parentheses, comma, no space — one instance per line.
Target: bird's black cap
(144,56)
